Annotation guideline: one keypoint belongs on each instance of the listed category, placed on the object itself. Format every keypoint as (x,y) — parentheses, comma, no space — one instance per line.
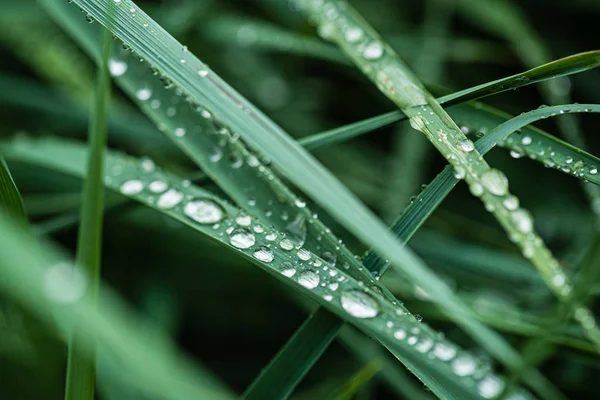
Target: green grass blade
(129,177)
(43,281)
(399,84)
(563,67)
(81,374)
(10,198)
(287,368)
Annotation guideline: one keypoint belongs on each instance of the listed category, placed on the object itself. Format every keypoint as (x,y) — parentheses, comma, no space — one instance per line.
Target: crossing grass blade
(10,198)
(128,176)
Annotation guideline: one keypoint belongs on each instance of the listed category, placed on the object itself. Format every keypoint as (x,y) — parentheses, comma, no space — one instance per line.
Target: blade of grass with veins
(345,27)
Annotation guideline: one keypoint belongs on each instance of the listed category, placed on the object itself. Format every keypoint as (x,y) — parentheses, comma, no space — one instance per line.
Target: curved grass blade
(415,344)
(81,375)
(44,282)
(10,199)
(563,67)
(210,143)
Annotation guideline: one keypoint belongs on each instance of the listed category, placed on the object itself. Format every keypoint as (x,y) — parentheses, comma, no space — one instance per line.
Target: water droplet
(169,199)
(64,283)
(464,130)
(263,254)
(490,386)
(516,154)
(373,51)
(511,203)
(359,304)
(417,123)
(353,34)
(304,254)
(593,170)
(400,334)
(495,182)
(464,365)
(179,132)
(117,67)
(444,352)
(459,172)
(523,220)
(466,145)
(424,345)
(286,244)
(133,186)
(148,165)
(296,230)
(309,279)
(143,94)
(271,236)
(158,186)
(203,211)
(243,220)
(242,238)
(476,189)
(289,272)
(526,140)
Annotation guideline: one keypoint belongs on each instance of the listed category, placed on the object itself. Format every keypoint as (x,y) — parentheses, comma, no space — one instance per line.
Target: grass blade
(81,374)
(10,198)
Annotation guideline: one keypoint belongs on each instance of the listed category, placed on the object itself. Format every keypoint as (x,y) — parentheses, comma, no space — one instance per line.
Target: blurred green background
(223,311)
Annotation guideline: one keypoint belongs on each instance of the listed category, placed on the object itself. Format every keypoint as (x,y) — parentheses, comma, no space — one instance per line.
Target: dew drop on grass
(526,140)
(523,221)
(359,304)
(424,345)
(495,182)
(158,186)
(444,352)
(243,220)
(263,254)
(476,189)
(466,145)
(304,254)
(309,279)
(143,94)
(400,334)
(286,244)
(179,132)
(117,67)
(490,386)
(464,365)
(133,186)
(64,283)
(511,203)
(204,211)
(289,272)
(353,34)
(242,238)
(169,199)
(373,51)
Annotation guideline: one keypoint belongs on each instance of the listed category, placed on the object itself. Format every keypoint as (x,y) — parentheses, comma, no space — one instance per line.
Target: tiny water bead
(117,67)
(495,182)
(526,140)
(143,94)
(309,279)
(179,132)
(169,199)
(242,238)
(523,220)
(263,254)
(359,304)
(353,34)
(203,211)
(490,386)
(373,51)
(400,334)
(133,186)
(64,283)
(158,186)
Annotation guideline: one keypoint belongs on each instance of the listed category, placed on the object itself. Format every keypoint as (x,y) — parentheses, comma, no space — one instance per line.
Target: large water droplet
(296,230)
(490,386)
(203,211)
(444,352)
(523,221)
(353,34)
(304,254)
(466,145)
(263,254)
(243,220)
(286,244)
(242,238)
(309,279)
(169,199)
(495,182)
(359,304)
(64,283)
(511,203)
(133,186)
(158,186)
